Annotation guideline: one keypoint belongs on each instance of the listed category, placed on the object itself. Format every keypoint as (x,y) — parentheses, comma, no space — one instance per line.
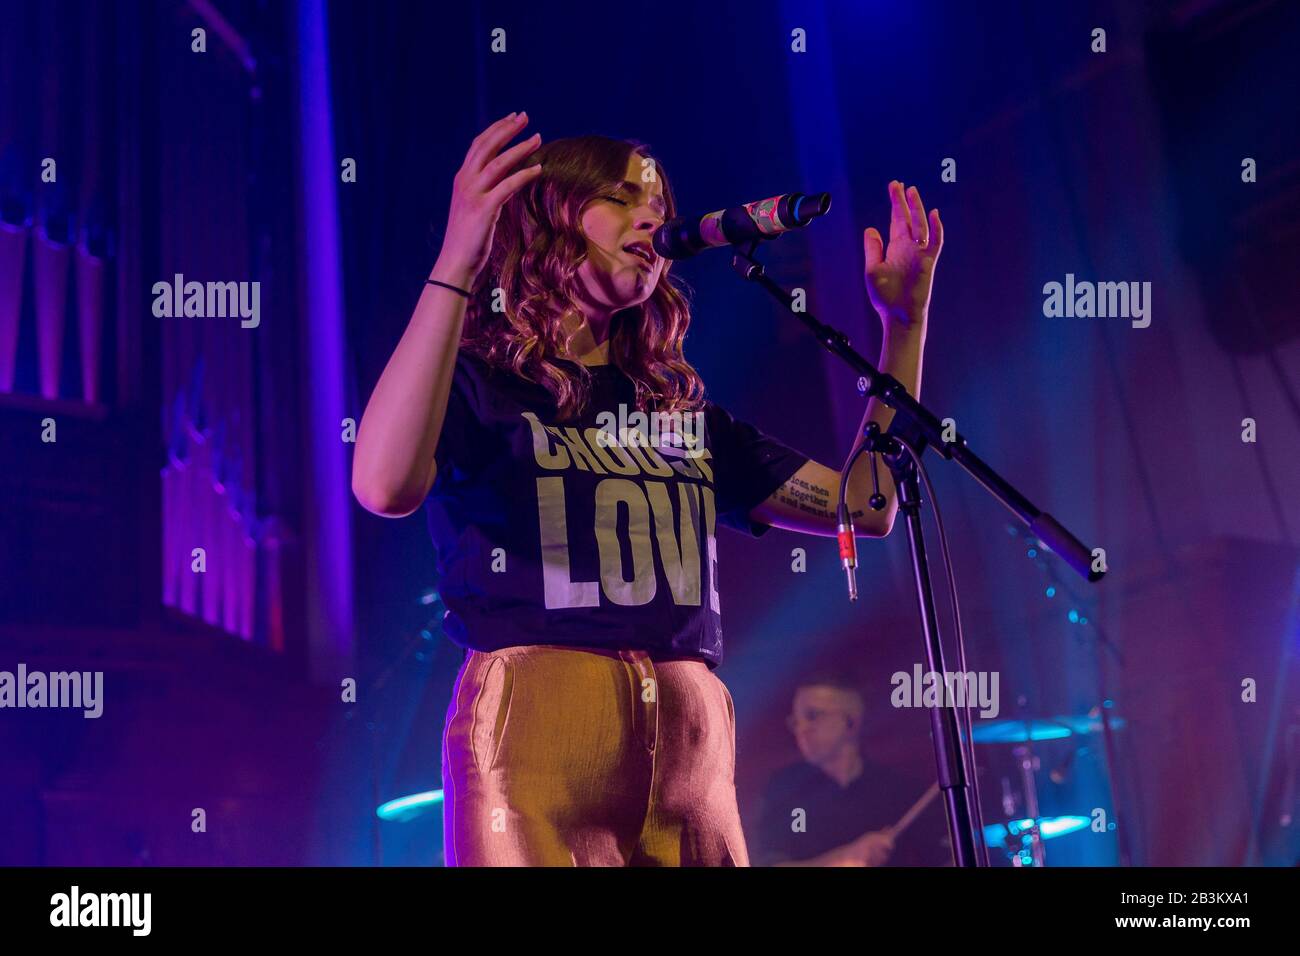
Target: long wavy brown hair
(515,317)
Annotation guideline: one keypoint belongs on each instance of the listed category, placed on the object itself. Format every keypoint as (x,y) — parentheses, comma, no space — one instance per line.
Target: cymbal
(1038,728)
(996,834)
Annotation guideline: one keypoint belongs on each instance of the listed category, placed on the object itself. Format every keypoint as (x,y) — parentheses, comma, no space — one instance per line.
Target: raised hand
(899,278)
(480,189)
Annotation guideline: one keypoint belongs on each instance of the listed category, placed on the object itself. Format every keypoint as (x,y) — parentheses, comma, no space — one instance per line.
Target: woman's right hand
(479,191)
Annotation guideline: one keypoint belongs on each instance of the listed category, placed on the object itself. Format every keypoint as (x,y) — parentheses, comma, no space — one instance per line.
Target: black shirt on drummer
(596,531)
(818,811)
(831,815)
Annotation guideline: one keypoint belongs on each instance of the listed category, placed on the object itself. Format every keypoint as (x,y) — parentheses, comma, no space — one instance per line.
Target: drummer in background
(847,802)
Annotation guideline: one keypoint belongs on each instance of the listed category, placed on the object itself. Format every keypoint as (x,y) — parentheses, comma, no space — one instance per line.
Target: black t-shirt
(834,815)
(573,533)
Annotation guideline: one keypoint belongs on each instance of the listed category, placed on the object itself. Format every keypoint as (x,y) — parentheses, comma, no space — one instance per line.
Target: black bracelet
(446,285)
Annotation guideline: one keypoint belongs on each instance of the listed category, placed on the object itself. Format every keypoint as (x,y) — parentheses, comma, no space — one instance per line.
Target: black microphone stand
(915,426)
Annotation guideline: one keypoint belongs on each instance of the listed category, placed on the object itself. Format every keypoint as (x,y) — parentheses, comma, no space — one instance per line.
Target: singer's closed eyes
(578,562)
(634,190)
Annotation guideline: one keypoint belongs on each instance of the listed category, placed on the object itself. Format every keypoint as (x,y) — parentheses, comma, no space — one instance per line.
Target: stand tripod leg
(950,761)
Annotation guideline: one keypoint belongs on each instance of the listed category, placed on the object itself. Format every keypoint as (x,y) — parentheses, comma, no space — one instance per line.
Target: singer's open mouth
(641,250)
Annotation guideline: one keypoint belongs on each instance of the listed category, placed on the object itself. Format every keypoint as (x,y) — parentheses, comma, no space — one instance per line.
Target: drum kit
(1022,837)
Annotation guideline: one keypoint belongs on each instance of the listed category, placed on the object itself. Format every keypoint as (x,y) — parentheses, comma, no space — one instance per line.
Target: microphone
(682,237)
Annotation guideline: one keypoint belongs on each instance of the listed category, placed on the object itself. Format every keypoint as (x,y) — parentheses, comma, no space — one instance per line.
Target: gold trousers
(561,756)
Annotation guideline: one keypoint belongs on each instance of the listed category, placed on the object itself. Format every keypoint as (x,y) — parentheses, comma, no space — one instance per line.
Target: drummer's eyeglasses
(812,715)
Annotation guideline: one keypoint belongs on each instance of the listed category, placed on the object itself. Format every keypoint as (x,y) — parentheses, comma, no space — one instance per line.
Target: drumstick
(914,811)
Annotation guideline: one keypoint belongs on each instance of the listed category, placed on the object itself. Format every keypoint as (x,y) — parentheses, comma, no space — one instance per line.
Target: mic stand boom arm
(919,428)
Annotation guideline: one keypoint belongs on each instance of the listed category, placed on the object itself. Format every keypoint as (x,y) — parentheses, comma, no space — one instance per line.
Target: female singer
(576,546)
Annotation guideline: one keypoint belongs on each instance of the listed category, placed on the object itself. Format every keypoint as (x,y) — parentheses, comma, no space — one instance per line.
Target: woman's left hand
(899,278)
